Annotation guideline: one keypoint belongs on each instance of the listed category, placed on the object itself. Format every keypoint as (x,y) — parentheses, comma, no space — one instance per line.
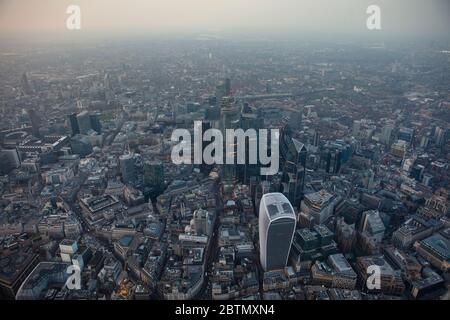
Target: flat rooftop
(437,243)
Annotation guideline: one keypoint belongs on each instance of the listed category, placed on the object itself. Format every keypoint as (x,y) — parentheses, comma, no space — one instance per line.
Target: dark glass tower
(293,165)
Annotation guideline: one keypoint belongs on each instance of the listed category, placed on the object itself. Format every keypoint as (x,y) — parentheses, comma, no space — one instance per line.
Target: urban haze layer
(93,207)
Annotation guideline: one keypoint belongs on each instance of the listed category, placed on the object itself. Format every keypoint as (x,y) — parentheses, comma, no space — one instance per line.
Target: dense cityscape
(86,177)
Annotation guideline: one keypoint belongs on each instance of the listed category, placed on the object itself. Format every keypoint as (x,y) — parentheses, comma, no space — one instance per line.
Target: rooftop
(277,206)
(438,244)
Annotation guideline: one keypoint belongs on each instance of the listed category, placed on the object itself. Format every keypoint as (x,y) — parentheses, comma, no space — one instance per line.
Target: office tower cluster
(84,123)
(87,177)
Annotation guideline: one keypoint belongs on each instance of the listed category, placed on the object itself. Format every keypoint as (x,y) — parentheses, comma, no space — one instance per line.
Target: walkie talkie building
(276,230)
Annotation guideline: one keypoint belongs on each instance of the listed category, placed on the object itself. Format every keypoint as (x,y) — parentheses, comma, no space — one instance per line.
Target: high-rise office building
(212,100)
(26,88)
(154,175)
(316,207)
(334,154)
(223,89)
(229,120)
(227,84)
(84,122)
(371,223)
(36,121)
(80,145)
(386,133)
(202,222)
(109,92)
(295,119)
(5,167)
(438,137)
(228,113)
(277,224)
(406,134)
(212,113)
(73,124)
(248,120)
(293,166)
(356,128)
(128,168)
(315,139)
(95,123)
(68,248)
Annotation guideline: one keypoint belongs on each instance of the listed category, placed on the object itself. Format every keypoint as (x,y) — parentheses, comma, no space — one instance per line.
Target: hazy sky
(327,16)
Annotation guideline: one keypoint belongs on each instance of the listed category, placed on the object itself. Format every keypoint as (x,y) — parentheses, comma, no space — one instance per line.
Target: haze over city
(224,150)
(296,17)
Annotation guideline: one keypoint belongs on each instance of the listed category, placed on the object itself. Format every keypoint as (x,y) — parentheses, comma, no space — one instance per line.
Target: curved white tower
(276,230)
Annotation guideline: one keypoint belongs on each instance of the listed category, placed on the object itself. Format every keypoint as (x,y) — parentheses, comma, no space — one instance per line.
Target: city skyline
(157,162)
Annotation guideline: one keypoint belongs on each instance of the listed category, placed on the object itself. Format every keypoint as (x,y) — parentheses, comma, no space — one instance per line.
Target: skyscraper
(229,120)
(35,120)
(229,114)
(5,166)
(439,135)
(293,165)
(406,134)
(154,175)
(73,124)
(95,123)
(26,88)
(84,122)
(109,93)
(386,133)
(248,120)
(372,223)
(223,89)
(356,128)
(277,224)
(127,168)
(295,119)
(80,145)
(334,154)
(202,222)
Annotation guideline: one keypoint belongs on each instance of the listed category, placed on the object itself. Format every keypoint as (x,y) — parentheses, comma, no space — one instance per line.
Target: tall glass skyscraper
(293,165)
(128,168)
(84,122)
(276,230)
(229,120)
